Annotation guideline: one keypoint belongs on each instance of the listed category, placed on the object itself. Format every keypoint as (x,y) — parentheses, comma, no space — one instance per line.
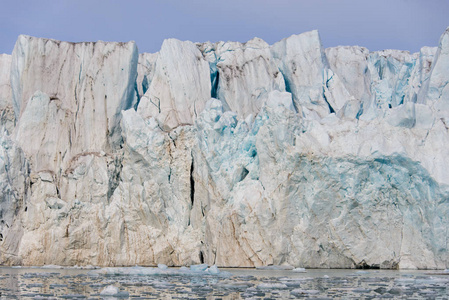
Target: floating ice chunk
(90,267)
(162,266)
(199,268)
(110,290)
(232,285)
(52,267)
(265,285)
(213,270)
(299,270)
(82,267)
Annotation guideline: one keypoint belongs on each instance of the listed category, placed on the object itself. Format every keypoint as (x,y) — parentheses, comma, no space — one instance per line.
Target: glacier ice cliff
(227,153)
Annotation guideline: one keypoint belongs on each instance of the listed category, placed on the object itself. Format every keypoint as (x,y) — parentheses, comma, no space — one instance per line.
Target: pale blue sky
(377,24)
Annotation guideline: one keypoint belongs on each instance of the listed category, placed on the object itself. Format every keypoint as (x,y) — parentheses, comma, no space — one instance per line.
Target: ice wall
(7,118)
(235,154)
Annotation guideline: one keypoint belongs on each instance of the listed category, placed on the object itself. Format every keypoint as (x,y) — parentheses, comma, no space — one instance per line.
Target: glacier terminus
(229,154)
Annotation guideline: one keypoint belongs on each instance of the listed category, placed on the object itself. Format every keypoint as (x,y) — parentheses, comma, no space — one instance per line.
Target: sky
(376,24)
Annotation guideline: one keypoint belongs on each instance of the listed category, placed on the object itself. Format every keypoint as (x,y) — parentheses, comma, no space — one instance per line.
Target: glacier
(227,154)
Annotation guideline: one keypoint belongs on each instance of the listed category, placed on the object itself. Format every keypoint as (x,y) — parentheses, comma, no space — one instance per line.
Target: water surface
(38,283)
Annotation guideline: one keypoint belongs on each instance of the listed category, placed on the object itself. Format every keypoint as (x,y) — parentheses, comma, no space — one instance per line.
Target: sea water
(175,283)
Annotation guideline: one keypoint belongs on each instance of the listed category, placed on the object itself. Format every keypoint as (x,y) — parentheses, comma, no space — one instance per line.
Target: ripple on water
(139,283)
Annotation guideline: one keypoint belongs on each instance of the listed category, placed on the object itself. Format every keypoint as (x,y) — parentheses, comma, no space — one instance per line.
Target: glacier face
(234,154)
(7,112)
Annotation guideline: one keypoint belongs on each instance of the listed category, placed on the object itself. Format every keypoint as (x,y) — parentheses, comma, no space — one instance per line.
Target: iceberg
(110,290)
(299,270)
(199,268)
(271,286)
(213,270)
